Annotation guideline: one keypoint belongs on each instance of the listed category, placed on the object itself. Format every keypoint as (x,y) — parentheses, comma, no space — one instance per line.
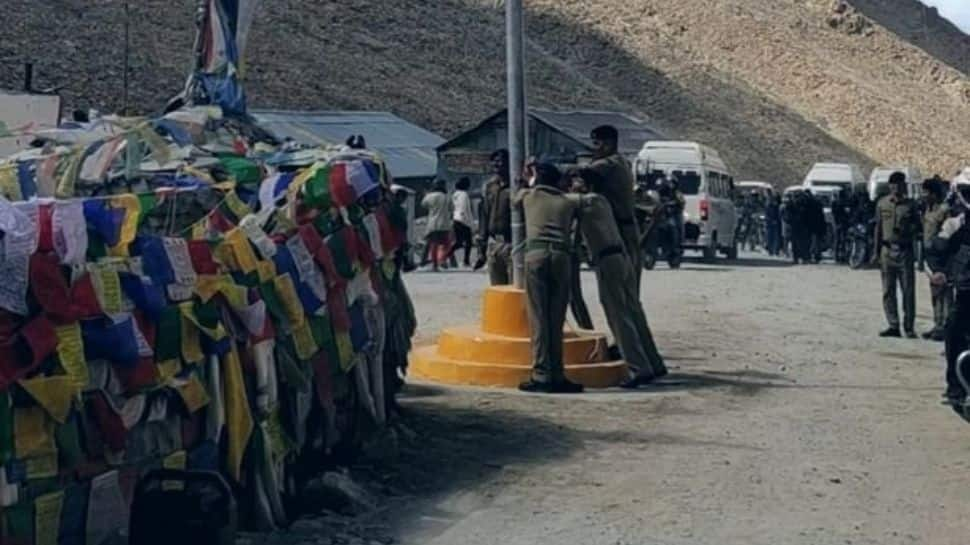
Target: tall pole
(124,84)
(515,61)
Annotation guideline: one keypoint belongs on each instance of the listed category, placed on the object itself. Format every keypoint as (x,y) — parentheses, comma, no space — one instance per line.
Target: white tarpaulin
(21,115)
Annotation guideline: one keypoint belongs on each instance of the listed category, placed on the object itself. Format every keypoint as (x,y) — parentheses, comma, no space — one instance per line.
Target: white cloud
(957,11)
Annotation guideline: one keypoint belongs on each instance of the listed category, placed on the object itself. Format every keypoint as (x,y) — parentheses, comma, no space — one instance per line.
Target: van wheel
(732,252)
(710,252)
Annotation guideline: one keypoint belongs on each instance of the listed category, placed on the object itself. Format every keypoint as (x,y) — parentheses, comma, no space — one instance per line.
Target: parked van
(841,175)
(879,181)
(708,188)
(763,188)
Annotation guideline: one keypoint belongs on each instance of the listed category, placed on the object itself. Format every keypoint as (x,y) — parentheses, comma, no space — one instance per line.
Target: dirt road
(792,423)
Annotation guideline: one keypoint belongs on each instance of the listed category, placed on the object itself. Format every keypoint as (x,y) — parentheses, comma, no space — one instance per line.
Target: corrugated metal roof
(408,149)
(578,124)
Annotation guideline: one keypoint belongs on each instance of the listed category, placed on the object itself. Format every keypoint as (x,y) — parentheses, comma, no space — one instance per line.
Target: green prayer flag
(6,428)
(316,192)
(168,344)
(273,303)
(96,246)
(147,202)
(67,436)
(243,170)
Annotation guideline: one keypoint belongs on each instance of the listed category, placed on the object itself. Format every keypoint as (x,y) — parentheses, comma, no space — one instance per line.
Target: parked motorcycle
(657,230)
(860,245)
(962,408)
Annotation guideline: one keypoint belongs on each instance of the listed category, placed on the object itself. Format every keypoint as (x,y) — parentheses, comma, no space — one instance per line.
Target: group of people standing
(450,224)
(940,220)
(596,202)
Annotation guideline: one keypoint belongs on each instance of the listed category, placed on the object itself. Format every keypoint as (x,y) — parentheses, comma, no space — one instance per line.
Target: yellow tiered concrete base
(499,353)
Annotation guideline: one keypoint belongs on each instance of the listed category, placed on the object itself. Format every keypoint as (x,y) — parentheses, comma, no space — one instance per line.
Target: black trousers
(801,242)
(957,331)
(463,239)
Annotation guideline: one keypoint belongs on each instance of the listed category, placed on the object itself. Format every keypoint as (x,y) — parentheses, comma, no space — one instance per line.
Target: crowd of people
(939,221)
(795,224)
(595,204)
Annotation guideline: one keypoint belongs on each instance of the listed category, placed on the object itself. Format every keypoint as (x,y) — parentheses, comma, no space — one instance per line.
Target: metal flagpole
(515,61)
(127,63)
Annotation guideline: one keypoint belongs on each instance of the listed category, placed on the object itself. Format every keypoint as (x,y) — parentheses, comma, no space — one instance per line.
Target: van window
(713,183)
(689,182)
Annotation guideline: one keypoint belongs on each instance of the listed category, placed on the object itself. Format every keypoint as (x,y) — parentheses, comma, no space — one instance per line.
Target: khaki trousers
(547,285)
(626,318)
(901,274)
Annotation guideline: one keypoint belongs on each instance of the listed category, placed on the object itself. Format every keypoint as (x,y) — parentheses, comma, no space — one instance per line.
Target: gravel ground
(789,422)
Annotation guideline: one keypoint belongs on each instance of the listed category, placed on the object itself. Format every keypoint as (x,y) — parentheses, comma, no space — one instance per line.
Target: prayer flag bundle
(124,347)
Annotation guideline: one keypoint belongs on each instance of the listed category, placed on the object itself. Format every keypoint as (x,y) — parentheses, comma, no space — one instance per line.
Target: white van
(841,175)
(709,215)
(762,188)
(879,181)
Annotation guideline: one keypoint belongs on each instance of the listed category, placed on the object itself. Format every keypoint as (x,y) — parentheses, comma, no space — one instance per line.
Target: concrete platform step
(428,364)
(470,343)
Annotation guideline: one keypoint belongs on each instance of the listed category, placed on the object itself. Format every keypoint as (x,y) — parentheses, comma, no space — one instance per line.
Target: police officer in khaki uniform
(897,223)
(935,213)
(614,276)
(549,215)
(495,223)
(611,176)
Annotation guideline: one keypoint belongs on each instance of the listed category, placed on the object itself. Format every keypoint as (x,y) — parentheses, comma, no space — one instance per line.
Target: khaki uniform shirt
(598,226)
(933,220)
(549,213)
(896,228)
(496,215)
(614,180)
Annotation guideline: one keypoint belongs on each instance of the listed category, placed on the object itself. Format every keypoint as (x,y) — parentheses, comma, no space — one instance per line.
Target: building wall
(469,155)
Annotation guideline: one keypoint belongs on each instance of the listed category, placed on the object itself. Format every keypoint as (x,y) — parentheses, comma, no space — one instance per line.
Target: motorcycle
(860,245)
(962,407)
(657,230)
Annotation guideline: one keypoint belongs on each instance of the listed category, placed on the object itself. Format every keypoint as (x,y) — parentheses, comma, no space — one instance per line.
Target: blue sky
(957,11)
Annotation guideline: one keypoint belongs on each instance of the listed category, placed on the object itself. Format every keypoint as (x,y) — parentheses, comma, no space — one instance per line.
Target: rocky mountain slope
(774,85)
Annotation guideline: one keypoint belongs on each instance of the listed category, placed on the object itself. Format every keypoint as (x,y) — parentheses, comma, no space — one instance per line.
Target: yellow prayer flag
(188,313)
(129,228)
(236,205)
(223,253)
(199,173)
(306,345)
(70,352)
(241,250)
(265,270)
(9,186)
(198,230)
(301,179)
(158,146)
(65,186)
(208,285)
(175,460)
(168,369)
(345,348)
(193,394)
(107,287)
(239,420)
(55,394)
(34,441)
(291,301)
(191,343)
(47,518)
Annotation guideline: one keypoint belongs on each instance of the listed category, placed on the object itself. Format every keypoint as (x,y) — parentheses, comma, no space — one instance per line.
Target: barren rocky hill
(774,85)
